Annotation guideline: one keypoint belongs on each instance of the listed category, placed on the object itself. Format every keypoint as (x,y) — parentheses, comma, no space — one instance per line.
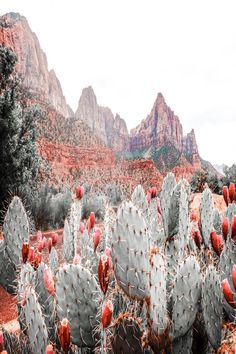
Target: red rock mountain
(93,134)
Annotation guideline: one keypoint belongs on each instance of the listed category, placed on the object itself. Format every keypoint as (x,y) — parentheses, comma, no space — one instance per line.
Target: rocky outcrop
(161,127)
(190,149)
(112,130)
(16,34)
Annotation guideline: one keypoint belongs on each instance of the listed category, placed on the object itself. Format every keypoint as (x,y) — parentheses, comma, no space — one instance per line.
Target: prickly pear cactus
(206,215)
(158,306)
(53,260)
(139,200)
(109,219)
(8,272)
(35,324)
(185,295)
(217,222)
(78,299)
(126,335)
(157,235)
(165,199)
(212,306)
(15,230)
(68,243)
(130,251)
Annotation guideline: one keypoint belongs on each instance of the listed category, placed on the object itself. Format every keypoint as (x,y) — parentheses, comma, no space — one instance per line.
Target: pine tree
(19,160)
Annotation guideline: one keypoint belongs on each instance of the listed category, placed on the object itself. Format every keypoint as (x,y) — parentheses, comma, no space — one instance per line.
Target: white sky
(129,50)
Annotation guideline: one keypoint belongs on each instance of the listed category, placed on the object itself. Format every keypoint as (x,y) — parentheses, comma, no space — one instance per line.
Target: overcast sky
(129,50)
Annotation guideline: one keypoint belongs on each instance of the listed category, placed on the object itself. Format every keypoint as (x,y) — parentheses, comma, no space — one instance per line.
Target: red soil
(8,310)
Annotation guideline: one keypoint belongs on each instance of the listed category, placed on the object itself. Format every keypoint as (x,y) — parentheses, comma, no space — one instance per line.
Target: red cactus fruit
(81,227)
(54,237)
(25,252)
(197,238)
(217,242)
(107,314)
(31,254)
(49,281)
(92,219)
(79,192)
(103,272)
(225,193)
(228,294)
(37,259)
(49,349)
(225,227)
(96,239)
(77,259)
(1,341)
(40,245)
(64,335)
(233,226)
(39,236)
(234,276)
(49,244)
(231,191)
(44,242)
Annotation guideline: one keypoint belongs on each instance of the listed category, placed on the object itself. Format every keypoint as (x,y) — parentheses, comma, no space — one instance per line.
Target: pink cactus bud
(25,252)
(49,349)
(193,216)
(79,192)
(92,219)
(228,294)
(49,244)
(197,238)
(39,236)
(54,237)
(77,259)
(1,341)
(233,226)
(225,227)
(81,227)
(234,276)
(31,254)
(225,193)
(96,239)
(231,192)
(103,273)
(107,314)
(49,281)
(64,335)
(217,242)
(40,245)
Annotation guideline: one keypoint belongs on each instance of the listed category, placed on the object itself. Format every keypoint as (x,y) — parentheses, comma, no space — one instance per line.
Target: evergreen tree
(19,160)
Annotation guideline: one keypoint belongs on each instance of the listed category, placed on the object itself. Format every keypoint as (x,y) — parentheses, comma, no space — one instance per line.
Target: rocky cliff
(111,130)
(16,34)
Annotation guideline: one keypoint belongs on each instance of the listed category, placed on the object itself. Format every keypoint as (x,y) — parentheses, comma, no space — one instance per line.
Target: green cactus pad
(130,251)
(78,300)
(212,306)
(206,215)
(185,295)
(15,230)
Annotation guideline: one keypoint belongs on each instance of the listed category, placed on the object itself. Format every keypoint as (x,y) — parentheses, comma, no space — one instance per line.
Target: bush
(200,178)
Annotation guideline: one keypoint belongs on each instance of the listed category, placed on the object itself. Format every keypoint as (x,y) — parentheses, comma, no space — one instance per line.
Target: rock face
(112,130)
(32,62)
(190,149)
(160,127)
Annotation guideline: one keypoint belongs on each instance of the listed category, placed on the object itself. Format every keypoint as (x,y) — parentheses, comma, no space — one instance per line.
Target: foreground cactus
(130,250)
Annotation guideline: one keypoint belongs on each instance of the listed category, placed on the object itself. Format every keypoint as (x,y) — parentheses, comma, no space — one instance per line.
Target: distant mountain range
(159,137)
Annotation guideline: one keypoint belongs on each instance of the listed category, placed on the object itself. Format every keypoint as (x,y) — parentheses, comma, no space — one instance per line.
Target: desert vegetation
(154,277)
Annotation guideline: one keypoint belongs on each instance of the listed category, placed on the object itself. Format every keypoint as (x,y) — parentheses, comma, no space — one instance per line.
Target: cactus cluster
(140,285)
